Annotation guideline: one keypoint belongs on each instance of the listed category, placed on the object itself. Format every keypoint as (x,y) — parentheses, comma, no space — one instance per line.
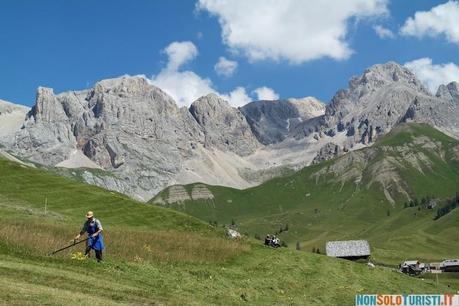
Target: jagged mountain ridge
(144,142)
(138,134)
(378,100)
(383,96)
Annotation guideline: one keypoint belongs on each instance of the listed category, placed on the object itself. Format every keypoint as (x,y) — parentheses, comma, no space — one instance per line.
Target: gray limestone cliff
(383,96)
(224,127)
(273,121)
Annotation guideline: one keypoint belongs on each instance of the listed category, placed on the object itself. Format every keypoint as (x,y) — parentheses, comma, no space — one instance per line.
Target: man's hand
(77,237)
(94,235)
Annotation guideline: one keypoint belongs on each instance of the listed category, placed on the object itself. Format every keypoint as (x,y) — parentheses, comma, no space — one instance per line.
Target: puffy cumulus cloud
(441,19)
(266,93)
(433,75)
(293,30)
(180,53)
(225,67)
(238,97)
(186,86)
(383,32)
(183,86)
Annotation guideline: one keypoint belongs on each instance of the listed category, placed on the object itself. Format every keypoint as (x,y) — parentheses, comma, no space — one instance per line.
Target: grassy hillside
(157,256)
(360,195)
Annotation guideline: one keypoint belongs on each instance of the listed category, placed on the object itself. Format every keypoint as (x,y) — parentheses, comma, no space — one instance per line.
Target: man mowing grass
(95,241)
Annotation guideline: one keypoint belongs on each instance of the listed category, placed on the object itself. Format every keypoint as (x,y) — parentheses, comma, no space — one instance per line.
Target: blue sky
(70,45)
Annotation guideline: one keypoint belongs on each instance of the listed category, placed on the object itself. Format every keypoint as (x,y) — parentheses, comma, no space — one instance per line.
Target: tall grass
(173,246)
(39,239)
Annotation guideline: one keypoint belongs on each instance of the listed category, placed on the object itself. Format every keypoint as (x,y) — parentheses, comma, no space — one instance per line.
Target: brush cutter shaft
(69,246)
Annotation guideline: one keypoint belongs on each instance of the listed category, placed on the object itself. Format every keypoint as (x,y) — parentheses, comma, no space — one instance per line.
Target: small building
(412,267)
(350,249)
(450,265)
(411,263)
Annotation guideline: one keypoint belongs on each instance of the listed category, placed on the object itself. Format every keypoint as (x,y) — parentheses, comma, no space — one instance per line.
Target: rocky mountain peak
(47,107)
(383,96)
(380,75)
(453,87)
(450,91)
(272,121)
(111,93)
(224,126)
(124,86)
(43,92)
(362,88)
(210,103)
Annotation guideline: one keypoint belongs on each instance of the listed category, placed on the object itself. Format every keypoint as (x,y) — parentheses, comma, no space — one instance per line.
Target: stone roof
(349,248)
(410,263)
(450,263)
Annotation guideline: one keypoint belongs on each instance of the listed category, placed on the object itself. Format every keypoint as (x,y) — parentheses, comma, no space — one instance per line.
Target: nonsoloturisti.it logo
(407,300)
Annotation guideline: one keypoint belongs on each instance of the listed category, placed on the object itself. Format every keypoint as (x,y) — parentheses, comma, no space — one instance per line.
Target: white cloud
(180,53)
(266,93)
(294,30)
(225,67)
(383,32)
(433,75)
(183,86)
(237,97)
(441,19)
(186,86)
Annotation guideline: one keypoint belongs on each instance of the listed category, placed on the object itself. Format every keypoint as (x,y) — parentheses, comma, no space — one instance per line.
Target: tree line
(450,204)
(424,201)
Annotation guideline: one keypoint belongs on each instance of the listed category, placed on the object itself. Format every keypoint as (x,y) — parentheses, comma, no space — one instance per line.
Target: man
(268,240)
(93,227)
(275,242)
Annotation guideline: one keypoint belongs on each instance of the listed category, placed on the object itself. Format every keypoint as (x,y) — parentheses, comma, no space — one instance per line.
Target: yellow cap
(89,214)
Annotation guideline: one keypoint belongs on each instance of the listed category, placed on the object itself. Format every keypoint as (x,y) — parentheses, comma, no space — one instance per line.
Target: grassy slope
(150,259)
(327,208)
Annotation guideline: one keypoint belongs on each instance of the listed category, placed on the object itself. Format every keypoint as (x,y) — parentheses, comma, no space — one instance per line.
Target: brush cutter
(69,246)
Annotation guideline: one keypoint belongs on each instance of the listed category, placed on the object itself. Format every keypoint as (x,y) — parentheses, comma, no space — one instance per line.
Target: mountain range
(127,135)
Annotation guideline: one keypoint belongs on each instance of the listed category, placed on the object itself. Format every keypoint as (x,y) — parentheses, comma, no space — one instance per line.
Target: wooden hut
(412,267)
(450,265)
(350,249)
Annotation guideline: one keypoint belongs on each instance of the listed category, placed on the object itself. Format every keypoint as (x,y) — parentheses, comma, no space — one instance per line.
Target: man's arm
(99,229)
(97,233)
